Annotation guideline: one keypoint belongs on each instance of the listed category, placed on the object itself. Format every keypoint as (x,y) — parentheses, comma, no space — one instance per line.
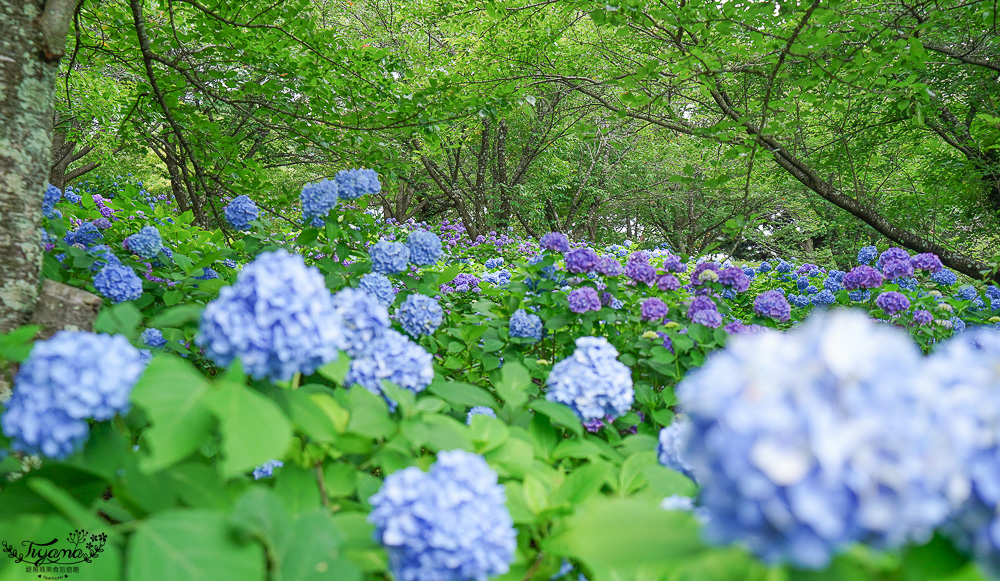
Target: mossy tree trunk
(32,43)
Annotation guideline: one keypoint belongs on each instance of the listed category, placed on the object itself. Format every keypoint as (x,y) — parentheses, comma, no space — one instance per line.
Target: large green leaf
(194,545)
(171,392)
(254,429)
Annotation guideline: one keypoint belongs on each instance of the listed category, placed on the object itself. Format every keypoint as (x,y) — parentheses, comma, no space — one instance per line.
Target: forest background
(757,128)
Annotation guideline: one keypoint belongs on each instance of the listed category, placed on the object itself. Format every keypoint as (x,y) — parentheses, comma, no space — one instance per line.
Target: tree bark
(31,46)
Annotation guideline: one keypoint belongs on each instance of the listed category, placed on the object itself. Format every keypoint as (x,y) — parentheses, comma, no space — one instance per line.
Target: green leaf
(369,414)
(254,430)
(515,380)
(462,394)
(560,414)
(603,534)
(176,316)
(194,545)
(171,393)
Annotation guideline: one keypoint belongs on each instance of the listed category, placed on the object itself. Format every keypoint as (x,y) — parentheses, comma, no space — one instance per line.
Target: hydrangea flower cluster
(278,319)
(379,286)
(890,254)
(671,444)
(479,410)
(494,263)
(555,241)
(927,261)
(638,269)
(363,318)
(354,183)
(526,325)
(118,282)
(70,378)
(146,243)
(153,338)
(86,234)
(592,381)
(668,282)
(393,357)
(892,302)
(581,260)
(735,279)
(584,299)
(389,257)
(425,247)
(653,309)
(241,211)
(318,199)
(673,263)
(266,470)
(807,441)
(609,266)
(49,200)
(420,315)
(945,277)
(450,523)
(867,254)
(704,311)
(862,277)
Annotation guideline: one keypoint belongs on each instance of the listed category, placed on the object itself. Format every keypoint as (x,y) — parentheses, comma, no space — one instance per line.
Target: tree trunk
(32,43)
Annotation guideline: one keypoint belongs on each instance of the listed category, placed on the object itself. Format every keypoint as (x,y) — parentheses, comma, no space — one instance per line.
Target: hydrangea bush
(405,401)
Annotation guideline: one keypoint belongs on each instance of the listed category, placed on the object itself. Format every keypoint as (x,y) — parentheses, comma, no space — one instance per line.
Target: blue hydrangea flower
(967,292)
(783,266)
(363,317)
(526,325)
(944,277)
(71,196)
(670,448)
(479,410)
(448,524)
(860,296)
(278,319)
(146,243)
(393,357)
(802,283)
(832,284)
(87,235)
(867,254)
(152,338)
(266,470)
(823,298)
(772,304)
(425,247)
(389,257)
(354,183)
(241,211)
(764,267)
(379,286)
(420,315)
(118,282)
(49,200)
(907,283)
(494,263)
(317,200)
(592,382)
(70,378)
(103,255)
(208,273)
(807,441)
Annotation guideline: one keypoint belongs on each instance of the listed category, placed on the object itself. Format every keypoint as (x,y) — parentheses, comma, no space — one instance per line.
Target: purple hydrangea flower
(668,282)
(584,299)
(673,263)
(653,309)
(581,260)
(927,261)
(862,277)
(555,241)
(772,304)
(893,253)
(922,317)
(705,312)
(892,302)
(735,279)
(609,266)
(894,269)
(638,269)
(705,272)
